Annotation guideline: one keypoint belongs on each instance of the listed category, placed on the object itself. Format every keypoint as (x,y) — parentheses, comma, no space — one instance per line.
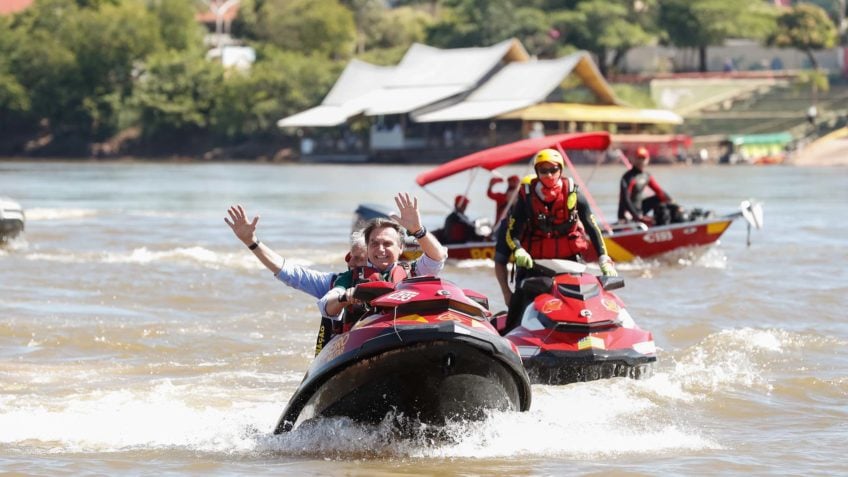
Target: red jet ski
(576,329)
(427,351)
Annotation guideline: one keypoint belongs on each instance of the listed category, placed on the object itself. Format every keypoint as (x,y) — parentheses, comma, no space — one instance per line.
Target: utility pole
(219,9)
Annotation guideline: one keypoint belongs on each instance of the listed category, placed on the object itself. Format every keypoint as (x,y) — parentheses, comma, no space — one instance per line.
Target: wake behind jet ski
(576,329)
(427,351)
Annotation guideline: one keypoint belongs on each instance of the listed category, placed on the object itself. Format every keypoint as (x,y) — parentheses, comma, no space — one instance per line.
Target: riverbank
(129,145)
(829,150)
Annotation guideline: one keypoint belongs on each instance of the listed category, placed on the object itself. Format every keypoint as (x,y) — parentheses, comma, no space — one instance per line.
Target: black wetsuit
(631,188)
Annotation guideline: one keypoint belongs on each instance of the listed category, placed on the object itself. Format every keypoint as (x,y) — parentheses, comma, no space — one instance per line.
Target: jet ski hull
(572,367)
(575,329)
(11,219)
(434,366)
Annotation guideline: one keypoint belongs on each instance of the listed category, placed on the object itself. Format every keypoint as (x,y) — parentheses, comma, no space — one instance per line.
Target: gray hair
(357,239)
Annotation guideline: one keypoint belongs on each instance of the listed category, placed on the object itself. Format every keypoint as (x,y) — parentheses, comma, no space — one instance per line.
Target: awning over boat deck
(590,113)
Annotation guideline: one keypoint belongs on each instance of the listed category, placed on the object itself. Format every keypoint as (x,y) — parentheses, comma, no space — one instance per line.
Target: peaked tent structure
(440,103)
(424,76)
(517,86)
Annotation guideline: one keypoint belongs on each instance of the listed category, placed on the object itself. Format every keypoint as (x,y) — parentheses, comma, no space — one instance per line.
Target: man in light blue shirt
(317,283)
(301,278)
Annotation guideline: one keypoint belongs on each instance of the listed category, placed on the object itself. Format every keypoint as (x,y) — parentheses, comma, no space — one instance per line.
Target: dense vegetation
(79,72)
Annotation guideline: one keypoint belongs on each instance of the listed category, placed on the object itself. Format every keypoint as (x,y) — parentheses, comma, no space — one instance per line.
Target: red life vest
(553,229)
(401,271)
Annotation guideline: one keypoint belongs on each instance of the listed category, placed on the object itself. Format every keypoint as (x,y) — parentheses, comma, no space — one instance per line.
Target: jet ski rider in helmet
(548,221)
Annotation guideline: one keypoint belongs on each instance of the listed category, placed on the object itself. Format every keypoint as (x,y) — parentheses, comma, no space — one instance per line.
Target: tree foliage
(176,93)
(281,83)
(807,28)
(606,28)
(473,23)
(321,27)
(90,68)
(703,23)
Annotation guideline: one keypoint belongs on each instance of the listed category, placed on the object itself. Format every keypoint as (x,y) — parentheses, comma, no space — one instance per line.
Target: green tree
(279,84)
(608,29)
(48,72)
(466,23)
(398,27)
(176,94)
(703,23)
(14,100)
(108,44)
(367,14)
(323,27)
(177,27)
(807,28)
(536,32)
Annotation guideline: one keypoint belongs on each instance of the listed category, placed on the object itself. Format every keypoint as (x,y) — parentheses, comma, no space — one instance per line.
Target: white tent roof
(516,86)
(404,100)
(424,76)
(358,78)
(424,65)
(319,116)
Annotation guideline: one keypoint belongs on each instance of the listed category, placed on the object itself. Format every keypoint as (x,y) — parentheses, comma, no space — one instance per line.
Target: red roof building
(8,7)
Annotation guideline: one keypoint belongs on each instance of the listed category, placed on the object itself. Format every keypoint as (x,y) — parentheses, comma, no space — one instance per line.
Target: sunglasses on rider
(547,171)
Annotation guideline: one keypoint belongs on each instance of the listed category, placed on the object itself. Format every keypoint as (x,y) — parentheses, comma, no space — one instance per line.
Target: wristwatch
(421,233)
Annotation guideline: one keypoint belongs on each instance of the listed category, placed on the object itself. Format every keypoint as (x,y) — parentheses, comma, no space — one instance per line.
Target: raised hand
(244,230)
(409,217)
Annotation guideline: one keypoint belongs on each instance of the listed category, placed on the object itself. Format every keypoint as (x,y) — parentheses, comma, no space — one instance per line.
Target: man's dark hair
(380,223)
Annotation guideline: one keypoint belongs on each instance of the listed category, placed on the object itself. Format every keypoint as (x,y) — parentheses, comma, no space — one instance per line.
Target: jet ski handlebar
(365,292)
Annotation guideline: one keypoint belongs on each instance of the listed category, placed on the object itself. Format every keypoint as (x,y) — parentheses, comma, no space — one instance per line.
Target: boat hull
(621,246)
(11,219)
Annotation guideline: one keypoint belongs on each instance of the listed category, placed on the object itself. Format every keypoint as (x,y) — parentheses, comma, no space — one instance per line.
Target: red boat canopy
(495,157)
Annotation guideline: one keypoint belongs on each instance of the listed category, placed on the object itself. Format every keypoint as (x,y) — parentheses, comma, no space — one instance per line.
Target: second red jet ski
(576,329)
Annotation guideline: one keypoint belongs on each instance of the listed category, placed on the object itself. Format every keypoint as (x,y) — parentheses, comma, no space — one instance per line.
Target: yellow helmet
(548,155)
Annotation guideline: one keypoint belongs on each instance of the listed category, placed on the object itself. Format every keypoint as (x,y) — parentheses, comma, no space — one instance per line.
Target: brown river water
(139,337)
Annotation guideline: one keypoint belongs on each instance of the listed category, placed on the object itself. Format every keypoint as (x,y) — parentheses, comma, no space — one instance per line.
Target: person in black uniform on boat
(458,227)
(633,206)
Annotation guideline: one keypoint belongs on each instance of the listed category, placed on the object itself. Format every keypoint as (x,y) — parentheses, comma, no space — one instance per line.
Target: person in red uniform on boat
(631,203)
(548,221)
(385,245)
(502,198)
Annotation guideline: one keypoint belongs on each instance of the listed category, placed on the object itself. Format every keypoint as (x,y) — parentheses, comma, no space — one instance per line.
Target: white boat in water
(11,219)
